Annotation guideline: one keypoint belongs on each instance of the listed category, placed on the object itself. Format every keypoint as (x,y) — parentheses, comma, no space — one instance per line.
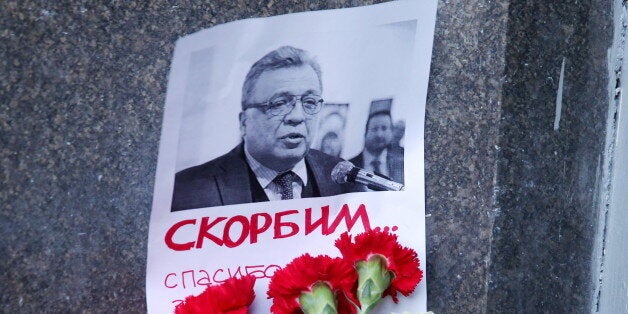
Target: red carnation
(377,245)
(231,297)
(313,281)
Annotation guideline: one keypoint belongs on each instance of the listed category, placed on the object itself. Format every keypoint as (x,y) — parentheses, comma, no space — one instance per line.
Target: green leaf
(367,287)
(373,279)
(329,310)
(321,300)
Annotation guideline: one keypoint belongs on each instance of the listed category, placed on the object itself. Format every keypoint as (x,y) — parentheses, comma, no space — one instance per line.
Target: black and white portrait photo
(300,114)
(281,100)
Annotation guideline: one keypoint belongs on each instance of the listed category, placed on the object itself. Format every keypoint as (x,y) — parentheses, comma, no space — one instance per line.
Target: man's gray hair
(282,57)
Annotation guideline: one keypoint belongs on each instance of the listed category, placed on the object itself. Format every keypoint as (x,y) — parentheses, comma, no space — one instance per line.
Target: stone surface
(541,254)
(510,201)
(461,134)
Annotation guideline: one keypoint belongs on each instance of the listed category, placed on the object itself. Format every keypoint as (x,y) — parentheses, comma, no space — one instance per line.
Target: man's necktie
(376,164)
(284,181)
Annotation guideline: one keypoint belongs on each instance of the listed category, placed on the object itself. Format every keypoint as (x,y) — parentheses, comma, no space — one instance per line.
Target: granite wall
(548,168)
(510,200)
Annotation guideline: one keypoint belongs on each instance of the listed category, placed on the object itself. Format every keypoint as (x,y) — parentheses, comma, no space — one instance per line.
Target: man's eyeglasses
(282,104)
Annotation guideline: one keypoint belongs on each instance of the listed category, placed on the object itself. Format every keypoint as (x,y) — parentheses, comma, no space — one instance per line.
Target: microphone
(345,172)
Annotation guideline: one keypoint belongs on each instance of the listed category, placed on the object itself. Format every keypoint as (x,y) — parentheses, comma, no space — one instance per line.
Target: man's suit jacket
(394,163)
(228,180)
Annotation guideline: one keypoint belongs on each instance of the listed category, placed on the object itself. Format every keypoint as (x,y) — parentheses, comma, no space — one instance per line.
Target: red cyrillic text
(234,231)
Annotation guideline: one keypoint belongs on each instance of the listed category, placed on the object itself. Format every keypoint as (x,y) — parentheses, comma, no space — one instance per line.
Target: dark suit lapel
(234,184)
(359,161)
(390,164)
(318,173)
(321,177)
(394,162)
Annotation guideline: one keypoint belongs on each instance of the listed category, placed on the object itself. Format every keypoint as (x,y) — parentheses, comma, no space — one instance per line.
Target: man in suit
(281,99)
(378,155)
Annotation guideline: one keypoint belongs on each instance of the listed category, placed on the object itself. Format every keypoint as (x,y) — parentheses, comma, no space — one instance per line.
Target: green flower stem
(320,300)
(373,279)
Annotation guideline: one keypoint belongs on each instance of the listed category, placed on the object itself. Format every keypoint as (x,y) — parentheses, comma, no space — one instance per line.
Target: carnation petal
(403,262)
(302,273)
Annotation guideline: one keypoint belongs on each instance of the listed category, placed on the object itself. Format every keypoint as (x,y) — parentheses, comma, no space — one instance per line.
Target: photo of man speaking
(281,100)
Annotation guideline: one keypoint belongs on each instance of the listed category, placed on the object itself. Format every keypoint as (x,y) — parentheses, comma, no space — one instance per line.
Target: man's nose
(296,115)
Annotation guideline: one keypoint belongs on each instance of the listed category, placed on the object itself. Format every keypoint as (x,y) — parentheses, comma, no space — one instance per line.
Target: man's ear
(242,117)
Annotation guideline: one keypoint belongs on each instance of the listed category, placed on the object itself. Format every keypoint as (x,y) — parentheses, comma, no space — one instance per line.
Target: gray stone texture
(510,202)
(461,134)
(541,253)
